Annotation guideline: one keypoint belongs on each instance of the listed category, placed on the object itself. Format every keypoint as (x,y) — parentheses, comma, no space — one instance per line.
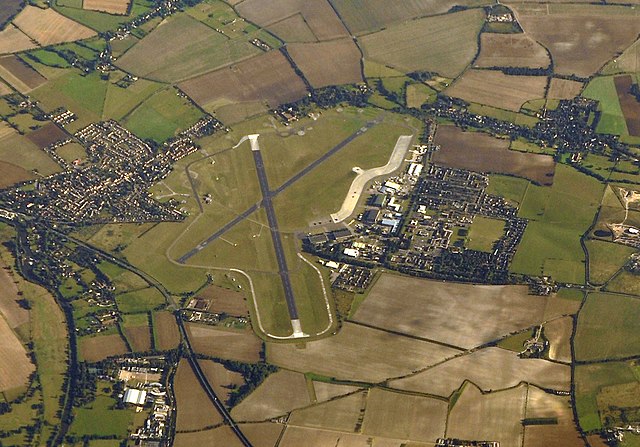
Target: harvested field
(94,349)
(444,44)
(182,47)
(325,391)
(22,77)
(264,434)
(195,410)
(15,365)
(318,15)
(268,78)
(241,345)
(11,174)
(47,135)
(12,40)
(481,152)
(222,436)
(497,89)
(293,29)
(139,337)
(581,38)
(491,417)
(328,63)
(13,313)
(558,332)
(4,89)
(47,27)
(511,50)
(629,104)
(363,16)
(9,8)
(277,395)
(18,150)
(458,314)
(564,89)
(607,327)
(220,378)
(225,300)
(489,369)
(110,6)
(543,405)
(404,416)
(166,331)
(339,414)
(359,353)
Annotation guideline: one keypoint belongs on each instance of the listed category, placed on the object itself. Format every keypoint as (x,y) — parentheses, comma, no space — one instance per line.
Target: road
(364,177)
(184,258)
(283,270)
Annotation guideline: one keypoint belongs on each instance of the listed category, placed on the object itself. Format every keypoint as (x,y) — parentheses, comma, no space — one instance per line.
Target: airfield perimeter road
(184,258)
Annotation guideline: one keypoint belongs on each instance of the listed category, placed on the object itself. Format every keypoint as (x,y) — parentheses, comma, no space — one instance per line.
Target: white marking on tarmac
(297,329)
(253,139)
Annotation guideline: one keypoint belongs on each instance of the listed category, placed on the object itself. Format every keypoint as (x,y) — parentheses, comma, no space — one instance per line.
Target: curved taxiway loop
(364,177)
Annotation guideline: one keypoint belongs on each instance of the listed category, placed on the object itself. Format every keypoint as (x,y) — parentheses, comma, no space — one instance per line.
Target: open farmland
(607,328)
(612,120)
(326,391)
(280,393)
(165,330)
(581,38)
(182,47)
(404,416)
(359,353)
(563,433)
(605,259)
(47,27)
(222,436)
(497,89)
(11,174)
(136,330)
(628,103)
(564,89)
(15,365)
(484,153)
(293,29)
(12,40)
(267,78)
(489,369)
(226,301)
(220,378)
(338,414)
(8,8)
(458,314)
(49,133)
(328,63)
(195,410)
(493,417)
(241,345)
(511,50)
(99,347)
(318,15)
(558,332)
(444,44)
(264,434)
(14,314)
(362,16)
(110,6)
(22,77)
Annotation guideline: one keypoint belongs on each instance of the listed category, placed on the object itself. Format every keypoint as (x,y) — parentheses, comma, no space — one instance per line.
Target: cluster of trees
(253,373)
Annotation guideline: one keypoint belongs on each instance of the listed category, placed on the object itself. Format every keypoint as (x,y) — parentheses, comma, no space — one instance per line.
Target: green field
(47,57)
(612,119)
(140,300)
(484,232)
(121,101)
(512,189)
(605,259)
(100,21)
(20,151)
(112,422)
(607,328)
(625,282)
(590,379)
(559,215)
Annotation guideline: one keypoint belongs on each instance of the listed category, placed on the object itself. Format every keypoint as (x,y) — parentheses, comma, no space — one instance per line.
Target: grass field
(496,416)
(328,63)
(511,50)
(339,414)
(497,89)
(625,282)
(418,94)
(581,38)
(101,21)
(280,393)
(402,416)
(611,337)
(460,314)
(483,233)
(112,422)
(195,410)
(240,345)
(19,150)
(161,116)
(605,259)
(488,369)
(118,101)
(511,188)
(181,47)
(444,44)
(137,331)
(140,300)
(612,119)
(359,353)
(165,331)
(559,215)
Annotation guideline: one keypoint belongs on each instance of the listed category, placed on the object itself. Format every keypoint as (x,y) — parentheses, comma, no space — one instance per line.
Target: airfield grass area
(559,215)
(444,44)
